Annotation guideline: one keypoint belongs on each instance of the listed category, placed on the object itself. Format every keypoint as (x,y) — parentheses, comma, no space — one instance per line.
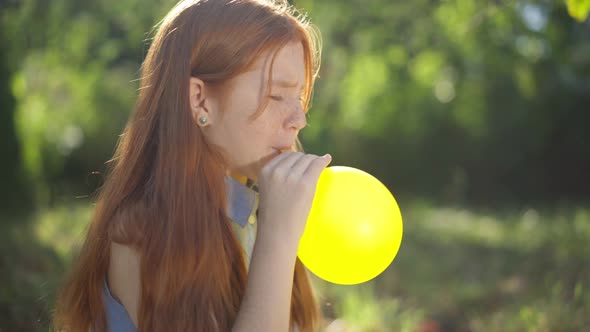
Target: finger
(316,167)
(285,165)
(301,165)
(271,164)
(285,160)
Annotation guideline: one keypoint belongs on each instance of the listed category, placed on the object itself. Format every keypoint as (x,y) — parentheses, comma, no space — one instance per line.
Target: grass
(457,270)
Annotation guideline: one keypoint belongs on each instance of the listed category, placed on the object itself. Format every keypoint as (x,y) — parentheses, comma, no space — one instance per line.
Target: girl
(182,239)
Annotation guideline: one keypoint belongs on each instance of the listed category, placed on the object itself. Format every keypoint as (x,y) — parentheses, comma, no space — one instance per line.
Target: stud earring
(203,120)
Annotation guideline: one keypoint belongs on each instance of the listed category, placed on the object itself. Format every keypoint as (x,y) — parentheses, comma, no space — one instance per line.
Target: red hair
(165,195)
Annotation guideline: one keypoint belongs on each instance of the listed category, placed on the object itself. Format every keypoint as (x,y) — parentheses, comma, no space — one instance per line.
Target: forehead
(288,65)
(250,87)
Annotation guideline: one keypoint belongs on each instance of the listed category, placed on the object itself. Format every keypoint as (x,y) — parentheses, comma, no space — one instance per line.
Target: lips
(283,148)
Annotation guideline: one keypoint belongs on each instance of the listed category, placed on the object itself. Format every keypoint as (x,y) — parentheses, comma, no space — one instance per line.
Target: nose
(297,120)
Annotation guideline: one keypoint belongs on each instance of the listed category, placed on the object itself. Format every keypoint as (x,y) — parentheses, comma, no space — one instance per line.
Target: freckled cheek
(258,136)
(282,118)
(286,110)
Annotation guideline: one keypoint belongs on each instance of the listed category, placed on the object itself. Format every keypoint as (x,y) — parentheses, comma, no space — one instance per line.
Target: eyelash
(280,98)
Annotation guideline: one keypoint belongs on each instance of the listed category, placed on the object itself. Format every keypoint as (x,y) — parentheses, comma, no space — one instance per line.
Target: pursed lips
(283,148)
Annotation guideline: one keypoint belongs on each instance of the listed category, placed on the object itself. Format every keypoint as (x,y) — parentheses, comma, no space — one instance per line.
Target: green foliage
(578,9)
(460,102)
(476,90)
(451,84)
(355,98)
(76,85)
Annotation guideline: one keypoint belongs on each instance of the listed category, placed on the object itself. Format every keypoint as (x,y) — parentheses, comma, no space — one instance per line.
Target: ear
(201,102)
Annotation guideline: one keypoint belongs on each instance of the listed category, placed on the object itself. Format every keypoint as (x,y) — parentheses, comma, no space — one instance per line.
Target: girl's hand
(287,186)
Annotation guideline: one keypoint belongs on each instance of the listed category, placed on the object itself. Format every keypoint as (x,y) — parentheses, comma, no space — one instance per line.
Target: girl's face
(251,139)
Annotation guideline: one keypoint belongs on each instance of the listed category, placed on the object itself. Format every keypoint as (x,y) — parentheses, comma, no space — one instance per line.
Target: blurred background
(474,114)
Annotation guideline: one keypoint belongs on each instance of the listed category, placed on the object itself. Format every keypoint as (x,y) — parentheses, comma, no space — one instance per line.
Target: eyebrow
(284,84)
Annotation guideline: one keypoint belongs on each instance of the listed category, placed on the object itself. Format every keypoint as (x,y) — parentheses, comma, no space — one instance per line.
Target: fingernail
(327,155)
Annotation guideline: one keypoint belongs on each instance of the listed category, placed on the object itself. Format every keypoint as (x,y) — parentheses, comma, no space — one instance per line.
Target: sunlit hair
(165,191)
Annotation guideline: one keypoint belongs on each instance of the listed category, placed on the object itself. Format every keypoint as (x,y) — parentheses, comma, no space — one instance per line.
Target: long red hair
(165,191)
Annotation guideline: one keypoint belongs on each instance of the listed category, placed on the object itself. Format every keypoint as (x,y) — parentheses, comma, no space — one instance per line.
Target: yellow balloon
(354,229)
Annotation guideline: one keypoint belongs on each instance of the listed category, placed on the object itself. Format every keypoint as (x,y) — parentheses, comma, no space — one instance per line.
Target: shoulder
(124,277)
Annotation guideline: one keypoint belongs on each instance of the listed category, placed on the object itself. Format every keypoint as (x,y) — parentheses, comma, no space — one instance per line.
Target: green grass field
(456,270)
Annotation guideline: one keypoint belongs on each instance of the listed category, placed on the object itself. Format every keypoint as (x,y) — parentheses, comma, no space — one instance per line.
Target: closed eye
(280,98)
